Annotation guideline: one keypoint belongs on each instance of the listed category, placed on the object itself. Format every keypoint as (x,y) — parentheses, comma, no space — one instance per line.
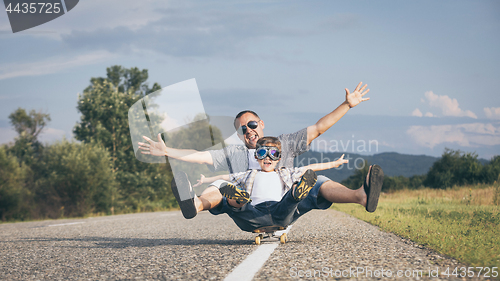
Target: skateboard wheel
(283,238)
(257,240)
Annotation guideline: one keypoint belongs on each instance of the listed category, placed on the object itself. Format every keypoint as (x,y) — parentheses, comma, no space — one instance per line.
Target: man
(239,158)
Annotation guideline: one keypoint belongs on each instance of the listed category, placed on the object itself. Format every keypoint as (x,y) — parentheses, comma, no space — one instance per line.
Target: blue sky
(432,66)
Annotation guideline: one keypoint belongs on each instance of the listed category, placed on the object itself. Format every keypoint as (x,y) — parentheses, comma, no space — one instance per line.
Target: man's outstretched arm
(188,155)
(351,100)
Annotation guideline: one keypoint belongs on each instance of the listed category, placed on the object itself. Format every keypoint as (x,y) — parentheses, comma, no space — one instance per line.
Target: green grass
(454,227)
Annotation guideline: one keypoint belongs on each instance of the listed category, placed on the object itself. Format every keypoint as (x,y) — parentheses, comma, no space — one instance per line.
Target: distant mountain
(393,164)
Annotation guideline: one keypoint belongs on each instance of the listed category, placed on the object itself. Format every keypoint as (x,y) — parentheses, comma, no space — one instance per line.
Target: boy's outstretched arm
(158,148)
(351,100)
(328,165)
(203,179)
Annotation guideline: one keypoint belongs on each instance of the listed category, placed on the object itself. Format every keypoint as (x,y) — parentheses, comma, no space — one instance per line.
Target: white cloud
(417,113)
(448,106)
(51,134)
(169,123)
(51,65)
(7,135)
(48,135)
(469,135)
(492,112)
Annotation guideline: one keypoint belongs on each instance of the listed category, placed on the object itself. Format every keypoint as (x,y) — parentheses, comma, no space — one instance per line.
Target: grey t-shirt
(234,158)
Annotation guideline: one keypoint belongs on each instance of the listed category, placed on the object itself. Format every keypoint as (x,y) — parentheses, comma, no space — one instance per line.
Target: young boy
(269,205)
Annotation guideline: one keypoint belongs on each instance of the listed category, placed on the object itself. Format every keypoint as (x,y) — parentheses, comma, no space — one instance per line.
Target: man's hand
(356,97)
(152,147)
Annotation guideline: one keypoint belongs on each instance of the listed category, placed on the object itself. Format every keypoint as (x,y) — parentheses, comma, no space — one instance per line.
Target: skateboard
(271,232)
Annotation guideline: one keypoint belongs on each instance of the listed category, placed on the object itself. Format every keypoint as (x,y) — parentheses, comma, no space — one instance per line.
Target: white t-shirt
(252,162)
(267,187)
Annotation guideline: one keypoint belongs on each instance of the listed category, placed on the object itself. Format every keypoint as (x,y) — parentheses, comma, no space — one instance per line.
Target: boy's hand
(356,97)
(153,147)
(341,160)
(200,181)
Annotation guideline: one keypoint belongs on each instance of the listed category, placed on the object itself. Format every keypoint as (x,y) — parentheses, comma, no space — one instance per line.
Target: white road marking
(61,224)
(169,215)
(251,265)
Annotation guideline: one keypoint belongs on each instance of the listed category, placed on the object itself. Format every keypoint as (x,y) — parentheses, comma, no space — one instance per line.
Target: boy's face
(267,164)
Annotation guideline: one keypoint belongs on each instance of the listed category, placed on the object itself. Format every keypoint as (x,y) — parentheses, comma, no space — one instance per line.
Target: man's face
(252,135)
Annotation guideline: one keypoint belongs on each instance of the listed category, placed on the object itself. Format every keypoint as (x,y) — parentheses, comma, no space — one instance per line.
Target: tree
(104,107)
(28,126)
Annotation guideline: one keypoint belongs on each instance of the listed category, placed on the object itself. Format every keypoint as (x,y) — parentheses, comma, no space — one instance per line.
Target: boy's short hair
(269,141)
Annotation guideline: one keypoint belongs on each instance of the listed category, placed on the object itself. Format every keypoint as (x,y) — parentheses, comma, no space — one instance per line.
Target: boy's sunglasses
(264,151)
(252,125)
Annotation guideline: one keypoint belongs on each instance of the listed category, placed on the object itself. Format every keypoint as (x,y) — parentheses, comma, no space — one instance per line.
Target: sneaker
(373,187)
(181,184)
(230,191)
(302,188)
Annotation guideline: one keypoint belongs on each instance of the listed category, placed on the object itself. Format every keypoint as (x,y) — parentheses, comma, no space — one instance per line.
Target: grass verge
(462,223)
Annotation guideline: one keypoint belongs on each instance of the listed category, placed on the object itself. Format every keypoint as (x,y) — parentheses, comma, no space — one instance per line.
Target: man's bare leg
(208,199)
(338,193)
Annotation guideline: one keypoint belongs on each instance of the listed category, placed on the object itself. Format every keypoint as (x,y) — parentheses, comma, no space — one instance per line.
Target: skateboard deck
(271,232)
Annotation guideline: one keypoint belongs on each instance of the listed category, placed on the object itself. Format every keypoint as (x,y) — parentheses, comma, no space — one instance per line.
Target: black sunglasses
(264,151)
(251,124)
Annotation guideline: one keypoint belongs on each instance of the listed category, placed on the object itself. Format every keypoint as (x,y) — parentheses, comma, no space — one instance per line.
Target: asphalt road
(164,246)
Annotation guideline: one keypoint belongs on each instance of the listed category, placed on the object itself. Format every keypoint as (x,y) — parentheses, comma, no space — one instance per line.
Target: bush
(74,179)
(13,192)
(455,168)
(491,171)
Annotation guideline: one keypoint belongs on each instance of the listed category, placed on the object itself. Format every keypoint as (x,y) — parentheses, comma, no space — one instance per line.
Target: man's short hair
(241,114)
(246,111)
(269,141)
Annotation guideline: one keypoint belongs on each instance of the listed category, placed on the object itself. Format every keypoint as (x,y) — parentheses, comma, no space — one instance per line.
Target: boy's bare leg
(338,193)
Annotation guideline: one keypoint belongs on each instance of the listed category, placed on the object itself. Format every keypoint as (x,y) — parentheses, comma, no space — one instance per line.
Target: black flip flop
(373,186)
(181,182)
